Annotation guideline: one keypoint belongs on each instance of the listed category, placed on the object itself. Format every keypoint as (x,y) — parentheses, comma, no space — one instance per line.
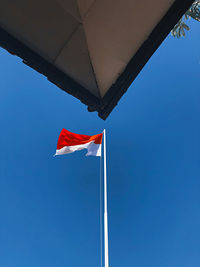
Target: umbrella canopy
(92,49)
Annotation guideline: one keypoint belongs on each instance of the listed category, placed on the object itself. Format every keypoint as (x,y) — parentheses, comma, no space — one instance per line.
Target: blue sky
(50,206)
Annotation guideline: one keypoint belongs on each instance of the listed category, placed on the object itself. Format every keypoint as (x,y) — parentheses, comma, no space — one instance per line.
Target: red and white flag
(70,142)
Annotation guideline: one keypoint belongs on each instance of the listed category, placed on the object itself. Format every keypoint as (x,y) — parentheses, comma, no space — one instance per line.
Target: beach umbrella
(92,49)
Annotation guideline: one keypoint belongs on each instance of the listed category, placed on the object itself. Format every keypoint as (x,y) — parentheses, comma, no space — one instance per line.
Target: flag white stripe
(93,149)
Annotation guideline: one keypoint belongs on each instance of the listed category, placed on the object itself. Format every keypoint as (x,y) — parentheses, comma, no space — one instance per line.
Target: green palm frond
(194,13)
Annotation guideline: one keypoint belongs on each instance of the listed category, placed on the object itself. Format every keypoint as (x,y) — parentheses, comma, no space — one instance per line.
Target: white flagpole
(105,207)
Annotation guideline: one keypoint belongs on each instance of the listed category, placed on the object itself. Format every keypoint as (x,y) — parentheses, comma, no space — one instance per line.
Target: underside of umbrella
(92,49)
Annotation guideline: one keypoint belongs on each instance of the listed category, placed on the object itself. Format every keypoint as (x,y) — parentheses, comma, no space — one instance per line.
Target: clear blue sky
(49,207)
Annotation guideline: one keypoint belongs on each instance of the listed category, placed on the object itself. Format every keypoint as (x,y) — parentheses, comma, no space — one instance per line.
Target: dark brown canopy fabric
(92,49)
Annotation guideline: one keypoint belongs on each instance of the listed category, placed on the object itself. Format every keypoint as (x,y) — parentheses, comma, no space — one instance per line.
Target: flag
(70,142)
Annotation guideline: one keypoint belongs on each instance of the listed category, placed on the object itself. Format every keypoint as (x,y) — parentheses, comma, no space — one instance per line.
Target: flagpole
(105,207)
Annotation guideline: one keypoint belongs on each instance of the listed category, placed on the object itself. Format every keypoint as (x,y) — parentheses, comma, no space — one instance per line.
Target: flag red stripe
(67,138)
